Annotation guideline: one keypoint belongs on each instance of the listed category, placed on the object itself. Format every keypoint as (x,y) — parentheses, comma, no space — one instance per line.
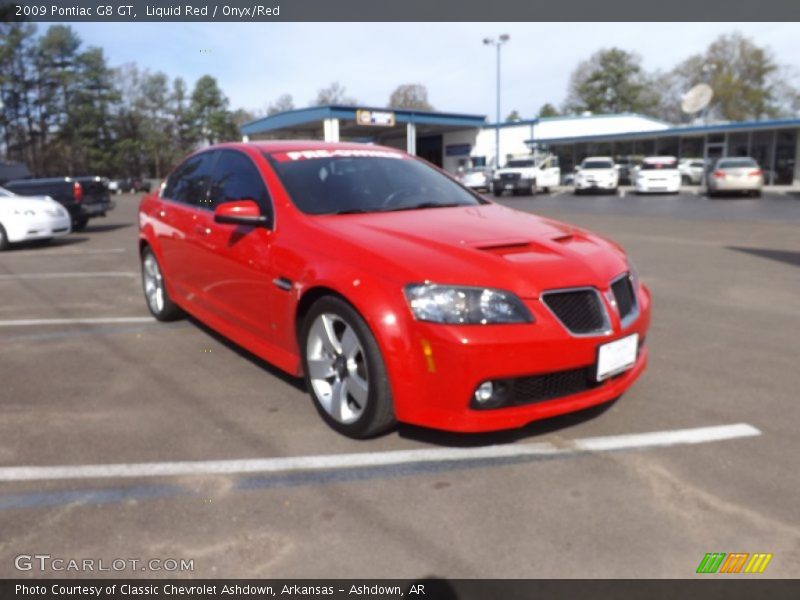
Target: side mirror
(576,169)
(241,212)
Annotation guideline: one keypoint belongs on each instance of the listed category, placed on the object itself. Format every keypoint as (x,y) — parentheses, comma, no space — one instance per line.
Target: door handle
(200,230)
(162,213)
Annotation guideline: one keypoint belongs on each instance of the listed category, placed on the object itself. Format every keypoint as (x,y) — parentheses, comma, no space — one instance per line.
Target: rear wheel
(3,239)
(344,370)
(155,290)
(497,192)
(79,223)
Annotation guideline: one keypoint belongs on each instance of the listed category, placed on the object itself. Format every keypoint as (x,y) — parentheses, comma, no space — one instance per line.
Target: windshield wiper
(424,205)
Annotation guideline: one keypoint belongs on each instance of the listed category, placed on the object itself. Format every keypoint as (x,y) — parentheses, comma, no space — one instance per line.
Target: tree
(513,116)
(747,81)
(548,110)
(412,96)
(610,81)
(209,110)
(283,103)
(332,95)
(157,130)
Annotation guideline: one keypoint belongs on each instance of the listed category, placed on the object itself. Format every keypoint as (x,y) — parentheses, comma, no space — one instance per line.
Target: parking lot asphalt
(125,390)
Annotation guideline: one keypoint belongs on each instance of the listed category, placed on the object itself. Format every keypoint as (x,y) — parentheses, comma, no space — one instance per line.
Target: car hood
(597,173)
(488,245)
(35,203)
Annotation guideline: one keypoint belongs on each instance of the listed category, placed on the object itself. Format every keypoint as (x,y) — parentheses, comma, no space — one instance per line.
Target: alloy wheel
(337,368)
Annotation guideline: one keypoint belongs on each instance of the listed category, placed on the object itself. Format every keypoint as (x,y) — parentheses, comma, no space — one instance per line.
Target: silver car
(476,178)
(740,175)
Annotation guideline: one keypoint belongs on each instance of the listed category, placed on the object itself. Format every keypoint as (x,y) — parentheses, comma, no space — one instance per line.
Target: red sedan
(397,293)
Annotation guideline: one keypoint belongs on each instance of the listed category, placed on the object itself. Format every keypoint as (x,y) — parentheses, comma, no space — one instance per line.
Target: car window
(597,164)
(235,177)
(519,164)
(189,182)
(351,182)
(737,163)
(648,166)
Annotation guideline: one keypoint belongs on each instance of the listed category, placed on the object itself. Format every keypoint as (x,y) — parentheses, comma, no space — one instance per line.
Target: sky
(257,62)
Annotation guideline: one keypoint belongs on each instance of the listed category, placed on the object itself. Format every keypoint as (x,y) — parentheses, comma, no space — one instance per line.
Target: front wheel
(344,370)
(3,239)
(159,303)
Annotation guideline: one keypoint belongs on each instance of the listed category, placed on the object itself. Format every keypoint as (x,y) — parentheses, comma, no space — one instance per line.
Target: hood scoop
(511,247)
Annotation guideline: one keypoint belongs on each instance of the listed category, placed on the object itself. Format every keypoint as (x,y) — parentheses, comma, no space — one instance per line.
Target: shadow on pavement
(786,256)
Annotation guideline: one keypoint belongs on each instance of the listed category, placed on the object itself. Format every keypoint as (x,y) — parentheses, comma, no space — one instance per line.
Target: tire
(497,192)
(79,223)
(348,367)
(756,193)
(3,239)
(546,190)
(577,192)
(156,296)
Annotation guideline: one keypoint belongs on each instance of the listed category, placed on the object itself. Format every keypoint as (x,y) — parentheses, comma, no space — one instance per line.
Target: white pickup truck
(526,174)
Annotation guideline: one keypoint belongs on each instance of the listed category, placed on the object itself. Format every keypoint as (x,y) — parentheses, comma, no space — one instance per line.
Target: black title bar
(712,588)
(401,10)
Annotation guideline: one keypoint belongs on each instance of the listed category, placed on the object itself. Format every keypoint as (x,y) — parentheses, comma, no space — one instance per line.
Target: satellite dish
(697,98)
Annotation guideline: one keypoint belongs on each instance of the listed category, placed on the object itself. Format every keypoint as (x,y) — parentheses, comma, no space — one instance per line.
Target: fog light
(484,392)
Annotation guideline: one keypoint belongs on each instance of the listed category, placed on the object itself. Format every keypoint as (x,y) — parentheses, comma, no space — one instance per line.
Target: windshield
(737,163)
(337,184)
(597,164)
(481,170)
(649,166)
(519,164)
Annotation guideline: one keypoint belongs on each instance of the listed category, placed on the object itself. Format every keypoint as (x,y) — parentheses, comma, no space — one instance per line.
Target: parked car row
(43,209)
(666,174)
(129,185)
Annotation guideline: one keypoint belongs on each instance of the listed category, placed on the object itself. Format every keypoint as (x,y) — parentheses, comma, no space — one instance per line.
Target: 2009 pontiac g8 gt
(397,293)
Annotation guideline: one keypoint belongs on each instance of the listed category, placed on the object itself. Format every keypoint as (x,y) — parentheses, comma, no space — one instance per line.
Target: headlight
(465,305)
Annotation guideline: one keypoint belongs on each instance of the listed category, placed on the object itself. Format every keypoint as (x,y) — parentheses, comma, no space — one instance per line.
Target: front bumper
(38,229)
(435,387)
(512,185)
(596,185)
(658,186)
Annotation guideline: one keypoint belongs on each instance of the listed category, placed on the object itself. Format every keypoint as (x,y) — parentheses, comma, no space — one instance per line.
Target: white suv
(596,173)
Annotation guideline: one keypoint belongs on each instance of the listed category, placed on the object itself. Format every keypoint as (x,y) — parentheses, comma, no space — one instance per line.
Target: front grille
(580,311)
(539,388)
(623,294)
(509,176)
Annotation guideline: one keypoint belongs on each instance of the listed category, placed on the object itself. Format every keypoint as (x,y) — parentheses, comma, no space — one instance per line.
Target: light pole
(497,43)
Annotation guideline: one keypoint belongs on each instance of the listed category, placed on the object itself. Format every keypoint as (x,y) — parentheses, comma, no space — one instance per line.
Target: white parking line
(99,320)
(56,253)
(88,274)
(376,459)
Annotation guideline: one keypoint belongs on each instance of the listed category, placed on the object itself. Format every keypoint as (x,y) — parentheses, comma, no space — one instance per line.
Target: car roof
(598,158)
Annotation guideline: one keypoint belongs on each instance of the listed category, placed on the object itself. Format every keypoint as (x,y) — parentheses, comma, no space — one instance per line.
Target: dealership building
(453,140)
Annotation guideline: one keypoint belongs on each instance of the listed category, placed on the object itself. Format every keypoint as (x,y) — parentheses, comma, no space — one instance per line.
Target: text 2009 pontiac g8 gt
(397,293)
